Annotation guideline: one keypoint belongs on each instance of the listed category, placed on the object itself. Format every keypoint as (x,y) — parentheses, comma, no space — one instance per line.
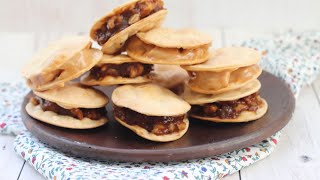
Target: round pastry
(227,69)
(73,106)
(227,58)
(207,82)
(240,105)
(60,62)
(113,30)
(169,46)
(151,111)
(119,69)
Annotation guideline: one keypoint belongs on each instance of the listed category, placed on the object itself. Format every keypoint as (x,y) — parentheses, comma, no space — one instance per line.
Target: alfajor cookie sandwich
(169,46)
(112,30)
(73,106)
(240,105)
(60,62)
(171,77)
(151,111)
(227,69)
(118,69)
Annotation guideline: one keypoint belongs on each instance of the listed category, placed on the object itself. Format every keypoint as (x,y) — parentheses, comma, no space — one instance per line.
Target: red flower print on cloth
(33,159)
(165,178)
(2,125)
(185,174)
(73,168)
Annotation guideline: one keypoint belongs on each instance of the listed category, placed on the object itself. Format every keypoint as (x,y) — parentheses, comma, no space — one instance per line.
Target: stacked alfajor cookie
(225,88)
(144,61)
(57,101)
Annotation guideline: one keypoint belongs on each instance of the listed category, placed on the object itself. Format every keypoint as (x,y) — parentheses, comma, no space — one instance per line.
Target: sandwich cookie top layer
(227,58)
(74,95)
(110,80)
(171,38)
(72,69)
(198,98)
(52,68)
(57,53)
(115,59)
(150,99)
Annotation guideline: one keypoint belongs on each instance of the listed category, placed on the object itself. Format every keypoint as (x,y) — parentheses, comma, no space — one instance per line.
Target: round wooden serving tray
(203,139)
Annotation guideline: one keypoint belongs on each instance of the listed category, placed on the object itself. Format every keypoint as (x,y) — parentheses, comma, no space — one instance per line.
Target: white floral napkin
(294,57)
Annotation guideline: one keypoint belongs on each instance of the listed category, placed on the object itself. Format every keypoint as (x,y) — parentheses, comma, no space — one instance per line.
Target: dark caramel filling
(159,125)
(228,109)
(128,16)
(78,113)
(128,70)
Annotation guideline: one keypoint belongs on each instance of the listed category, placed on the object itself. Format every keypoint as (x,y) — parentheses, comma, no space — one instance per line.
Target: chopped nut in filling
(128,70)
(78,113)
(128,16)
(228,109)
(159,125)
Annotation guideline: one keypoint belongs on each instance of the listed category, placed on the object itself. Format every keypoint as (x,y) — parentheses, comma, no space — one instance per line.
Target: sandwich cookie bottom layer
(110,80)
(155,128)
(74,118)
(244,109)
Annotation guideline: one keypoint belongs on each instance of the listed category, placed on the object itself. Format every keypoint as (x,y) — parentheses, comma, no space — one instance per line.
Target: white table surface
(297,155)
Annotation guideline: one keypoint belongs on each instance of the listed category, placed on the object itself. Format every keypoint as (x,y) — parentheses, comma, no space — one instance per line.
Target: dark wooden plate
(203,139)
